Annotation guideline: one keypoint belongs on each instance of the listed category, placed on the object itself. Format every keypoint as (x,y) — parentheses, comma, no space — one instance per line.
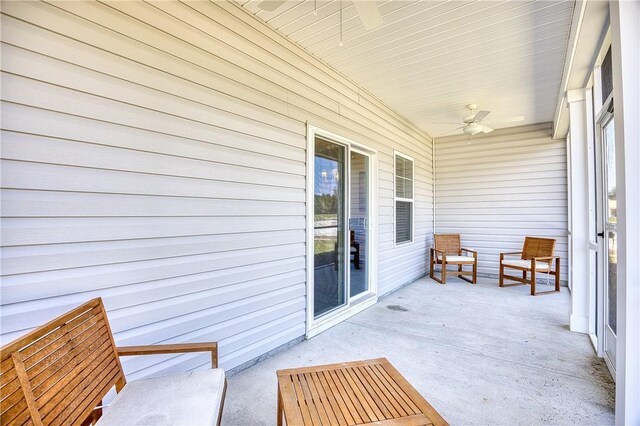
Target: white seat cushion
(521,263)
(452,258)
(182,399)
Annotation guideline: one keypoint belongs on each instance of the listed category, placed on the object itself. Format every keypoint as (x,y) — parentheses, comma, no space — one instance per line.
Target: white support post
(625,49)
(579,208)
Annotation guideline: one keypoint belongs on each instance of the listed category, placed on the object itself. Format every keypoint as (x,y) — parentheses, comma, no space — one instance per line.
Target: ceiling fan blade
(513,119)
(480,115)
(270,5)
(449,132)
(486,129)
(369,13)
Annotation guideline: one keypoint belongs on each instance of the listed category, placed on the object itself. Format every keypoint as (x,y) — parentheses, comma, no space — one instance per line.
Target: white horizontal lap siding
(154,155)
(498,188)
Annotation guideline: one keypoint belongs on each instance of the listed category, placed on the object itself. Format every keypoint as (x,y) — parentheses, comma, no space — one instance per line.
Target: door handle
(600,234)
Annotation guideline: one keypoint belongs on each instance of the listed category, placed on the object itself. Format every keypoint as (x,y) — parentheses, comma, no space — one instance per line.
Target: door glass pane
(358,233)
(612,279)
(329,219)
(611,223)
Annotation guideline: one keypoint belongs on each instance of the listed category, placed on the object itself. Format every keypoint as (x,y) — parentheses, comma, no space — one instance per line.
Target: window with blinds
(403,212)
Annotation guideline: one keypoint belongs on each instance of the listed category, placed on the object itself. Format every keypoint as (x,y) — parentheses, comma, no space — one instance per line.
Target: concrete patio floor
(479,354)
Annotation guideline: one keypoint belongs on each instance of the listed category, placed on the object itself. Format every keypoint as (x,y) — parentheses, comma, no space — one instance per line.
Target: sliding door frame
(368,298)
(602,119)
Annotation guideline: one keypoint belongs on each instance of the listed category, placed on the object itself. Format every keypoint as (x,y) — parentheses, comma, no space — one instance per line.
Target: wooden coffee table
(351,393)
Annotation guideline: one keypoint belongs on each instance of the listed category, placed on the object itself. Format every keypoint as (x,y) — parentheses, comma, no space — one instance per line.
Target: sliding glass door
(340,228)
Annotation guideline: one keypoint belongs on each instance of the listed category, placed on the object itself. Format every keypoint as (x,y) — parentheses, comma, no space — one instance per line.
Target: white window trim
(412,200)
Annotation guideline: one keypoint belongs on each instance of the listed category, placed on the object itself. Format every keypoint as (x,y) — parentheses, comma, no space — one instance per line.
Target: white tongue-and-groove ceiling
(430,59)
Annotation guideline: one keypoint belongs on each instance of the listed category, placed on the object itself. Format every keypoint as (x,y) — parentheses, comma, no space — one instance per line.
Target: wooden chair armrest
(442,253)
(172,349)
(512,252)
(546,258)
(469,250)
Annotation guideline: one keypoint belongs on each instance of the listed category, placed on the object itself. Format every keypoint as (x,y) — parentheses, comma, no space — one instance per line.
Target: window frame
(411,200)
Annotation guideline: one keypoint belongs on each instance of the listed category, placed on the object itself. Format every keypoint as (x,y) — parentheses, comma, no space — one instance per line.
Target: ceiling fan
(367,11)
(474,123)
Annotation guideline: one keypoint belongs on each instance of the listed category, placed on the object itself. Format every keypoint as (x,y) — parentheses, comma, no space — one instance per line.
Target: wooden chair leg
(557,273)
(444,272)
(432,264)
(524,275)
(474,277)
(533,282)
(501,282)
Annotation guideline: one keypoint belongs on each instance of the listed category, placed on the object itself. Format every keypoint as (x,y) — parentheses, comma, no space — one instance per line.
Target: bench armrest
(172,349)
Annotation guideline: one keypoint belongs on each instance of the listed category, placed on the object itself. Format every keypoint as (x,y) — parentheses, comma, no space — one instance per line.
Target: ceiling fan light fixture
(472,129)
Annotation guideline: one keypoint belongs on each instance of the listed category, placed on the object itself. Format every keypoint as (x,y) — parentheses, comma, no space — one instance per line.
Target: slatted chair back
(538,247)
(58,373)
(448,243)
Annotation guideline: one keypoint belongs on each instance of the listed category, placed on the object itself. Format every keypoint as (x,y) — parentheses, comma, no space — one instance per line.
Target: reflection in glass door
(329,274)
(611,234)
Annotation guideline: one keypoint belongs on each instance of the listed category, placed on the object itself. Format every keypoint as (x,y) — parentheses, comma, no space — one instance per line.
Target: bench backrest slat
(64,369)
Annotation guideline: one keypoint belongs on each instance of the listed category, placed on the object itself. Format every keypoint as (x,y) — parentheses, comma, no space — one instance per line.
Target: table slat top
(353,393)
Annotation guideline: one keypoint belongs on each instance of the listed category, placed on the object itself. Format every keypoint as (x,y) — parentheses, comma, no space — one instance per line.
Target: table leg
(279,408)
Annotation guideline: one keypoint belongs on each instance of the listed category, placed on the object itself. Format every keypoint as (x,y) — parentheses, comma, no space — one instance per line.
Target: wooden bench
(59,373)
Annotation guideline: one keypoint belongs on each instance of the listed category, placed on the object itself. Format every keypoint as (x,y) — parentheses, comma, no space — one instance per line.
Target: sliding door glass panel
(358,224)
(611,224)
(329,226)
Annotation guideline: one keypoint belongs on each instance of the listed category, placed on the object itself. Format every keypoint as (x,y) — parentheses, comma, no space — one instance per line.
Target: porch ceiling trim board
(588,30)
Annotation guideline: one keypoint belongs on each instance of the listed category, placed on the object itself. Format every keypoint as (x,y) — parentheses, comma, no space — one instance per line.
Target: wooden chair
(354,249)
(60,372)
(448,251)
(536,256)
